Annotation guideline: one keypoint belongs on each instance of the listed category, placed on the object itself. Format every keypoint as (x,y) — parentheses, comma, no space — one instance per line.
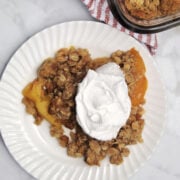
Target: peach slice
(138,90)
(34,92)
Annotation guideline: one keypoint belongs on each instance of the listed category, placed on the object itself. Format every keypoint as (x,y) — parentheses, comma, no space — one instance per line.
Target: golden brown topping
(52,96)
(94,145)
(63,140)
(74,56)
(113,151)
(151,9)
(116,159)
(56,131)
(72,149)
(125,152)
(91,158)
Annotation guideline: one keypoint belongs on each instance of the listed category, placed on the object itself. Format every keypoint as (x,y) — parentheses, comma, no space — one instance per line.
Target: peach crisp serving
(51,96)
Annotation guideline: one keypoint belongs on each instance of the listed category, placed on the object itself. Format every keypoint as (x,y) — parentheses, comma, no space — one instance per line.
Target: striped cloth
(99,9)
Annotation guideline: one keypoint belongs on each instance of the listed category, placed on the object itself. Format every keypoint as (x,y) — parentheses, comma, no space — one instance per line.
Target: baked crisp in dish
(51,96)
(151,9)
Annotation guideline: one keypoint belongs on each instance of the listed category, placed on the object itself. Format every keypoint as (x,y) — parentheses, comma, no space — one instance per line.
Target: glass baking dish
(142,26)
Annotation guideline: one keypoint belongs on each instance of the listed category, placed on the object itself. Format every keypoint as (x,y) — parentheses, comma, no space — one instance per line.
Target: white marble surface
(19,19)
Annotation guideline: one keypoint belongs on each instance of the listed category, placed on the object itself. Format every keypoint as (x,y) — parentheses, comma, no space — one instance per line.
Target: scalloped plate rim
(29,39)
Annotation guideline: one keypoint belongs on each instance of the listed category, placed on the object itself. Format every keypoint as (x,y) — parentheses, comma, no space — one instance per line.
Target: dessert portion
(151,9)
(87,97)
(102,102)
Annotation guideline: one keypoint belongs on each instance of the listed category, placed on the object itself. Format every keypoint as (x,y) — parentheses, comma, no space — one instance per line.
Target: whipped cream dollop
(102,102)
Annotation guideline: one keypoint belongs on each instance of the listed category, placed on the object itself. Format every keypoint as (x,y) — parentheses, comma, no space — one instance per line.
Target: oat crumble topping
(51,96)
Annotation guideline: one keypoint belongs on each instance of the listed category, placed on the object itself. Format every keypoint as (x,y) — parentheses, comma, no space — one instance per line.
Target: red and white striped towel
(99,9)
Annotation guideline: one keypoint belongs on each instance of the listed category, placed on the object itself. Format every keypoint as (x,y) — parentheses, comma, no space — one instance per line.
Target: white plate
(31,145)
